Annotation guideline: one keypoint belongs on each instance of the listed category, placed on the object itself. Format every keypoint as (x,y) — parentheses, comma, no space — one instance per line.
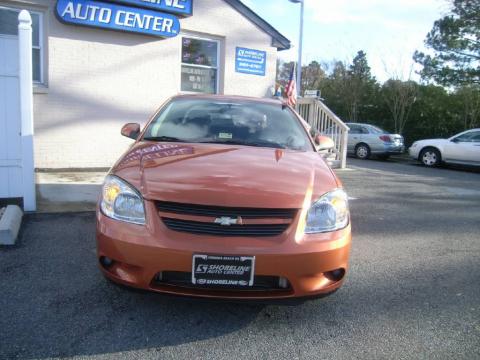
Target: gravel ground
(413,290)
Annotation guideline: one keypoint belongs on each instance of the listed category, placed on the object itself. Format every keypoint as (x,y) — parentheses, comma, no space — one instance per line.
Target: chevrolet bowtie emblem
(227,221)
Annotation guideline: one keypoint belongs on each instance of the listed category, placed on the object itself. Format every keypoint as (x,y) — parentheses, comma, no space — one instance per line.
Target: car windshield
(228,122)
(471,136)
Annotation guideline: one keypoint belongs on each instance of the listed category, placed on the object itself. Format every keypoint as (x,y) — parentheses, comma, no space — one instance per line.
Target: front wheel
(430,157)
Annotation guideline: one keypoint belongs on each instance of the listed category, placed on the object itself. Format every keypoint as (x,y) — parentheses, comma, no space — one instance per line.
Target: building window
(199,65)
(9,27)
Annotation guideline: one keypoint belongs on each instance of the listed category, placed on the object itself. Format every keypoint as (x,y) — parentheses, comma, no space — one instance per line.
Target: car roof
(272,101)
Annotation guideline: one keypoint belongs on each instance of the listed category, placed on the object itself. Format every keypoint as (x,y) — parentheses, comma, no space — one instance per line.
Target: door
(10,122)
(464,148)
(354,137)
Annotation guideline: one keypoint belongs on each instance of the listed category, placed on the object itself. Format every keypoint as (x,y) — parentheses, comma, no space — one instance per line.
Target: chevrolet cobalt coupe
(226,197)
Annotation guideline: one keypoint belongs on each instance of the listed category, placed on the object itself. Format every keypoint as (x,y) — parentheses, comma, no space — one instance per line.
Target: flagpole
(299,67)
(300,46)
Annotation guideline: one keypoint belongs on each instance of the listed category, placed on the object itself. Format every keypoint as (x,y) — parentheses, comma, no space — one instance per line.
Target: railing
(322,119)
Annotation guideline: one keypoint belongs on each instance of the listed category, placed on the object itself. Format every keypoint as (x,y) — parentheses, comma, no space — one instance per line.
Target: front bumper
(141,253)
(413,152)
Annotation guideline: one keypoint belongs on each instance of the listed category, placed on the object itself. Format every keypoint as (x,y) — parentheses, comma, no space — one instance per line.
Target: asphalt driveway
(413,290)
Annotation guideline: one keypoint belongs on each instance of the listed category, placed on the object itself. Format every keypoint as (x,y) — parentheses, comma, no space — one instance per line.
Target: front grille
(219,211)
(206,228)
(184,279)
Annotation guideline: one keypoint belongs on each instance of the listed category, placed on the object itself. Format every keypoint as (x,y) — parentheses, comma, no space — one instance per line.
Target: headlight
(121,201)
(329,213)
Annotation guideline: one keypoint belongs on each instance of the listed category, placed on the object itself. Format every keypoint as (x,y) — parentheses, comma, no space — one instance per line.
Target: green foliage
(416,111)
(312,74)
(455,41)
(350,88)
(399,97)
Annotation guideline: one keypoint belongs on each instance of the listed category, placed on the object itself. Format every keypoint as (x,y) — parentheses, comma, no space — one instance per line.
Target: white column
(26,108)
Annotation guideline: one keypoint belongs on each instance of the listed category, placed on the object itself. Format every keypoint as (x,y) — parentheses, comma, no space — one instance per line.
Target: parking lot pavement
(413,290)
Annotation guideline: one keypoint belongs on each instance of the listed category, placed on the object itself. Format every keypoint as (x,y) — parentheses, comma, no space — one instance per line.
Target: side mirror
(131,130)
(324,142)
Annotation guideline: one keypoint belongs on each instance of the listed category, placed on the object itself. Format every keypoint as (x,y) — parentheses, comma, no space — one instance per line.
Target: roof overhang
(278,40)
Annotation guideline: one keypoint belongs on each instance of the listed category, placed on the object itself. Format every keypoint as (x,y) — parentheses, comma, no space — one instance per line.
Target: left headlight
(121,201)
(329,213)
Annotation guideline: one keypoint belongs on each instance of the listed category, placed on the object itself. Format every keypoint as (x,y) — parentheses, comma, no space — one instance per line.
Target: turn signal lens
(110,192)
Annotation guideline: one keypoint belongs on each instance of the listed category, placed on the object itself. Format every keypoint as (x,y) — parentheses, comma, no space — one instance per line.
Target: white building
(89,81)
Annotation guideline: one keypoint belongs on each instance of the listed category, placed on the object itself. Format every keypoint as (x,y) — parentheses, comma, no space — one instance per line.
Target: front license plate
(219,270)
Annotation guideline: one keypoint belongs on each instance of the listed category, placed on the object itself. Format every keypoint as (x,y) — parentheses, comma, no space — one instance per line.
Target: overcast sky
(388,31)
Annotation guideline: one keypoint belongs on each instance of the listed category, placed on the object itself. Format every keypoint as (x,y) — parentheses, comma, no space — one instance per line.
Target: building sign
(311,93)
(179,7)
(249,61)
(117,17)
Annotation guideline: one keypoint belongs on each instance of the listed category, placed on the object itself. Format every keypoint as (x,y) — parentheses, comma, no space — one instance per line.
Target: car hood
(216,174)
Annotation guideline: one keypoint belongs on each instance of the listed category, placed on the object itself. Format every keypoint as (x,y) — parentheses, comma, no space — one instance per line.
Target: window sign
(249,61)
(201,80)
(199,65)
(179,7)
(117,17)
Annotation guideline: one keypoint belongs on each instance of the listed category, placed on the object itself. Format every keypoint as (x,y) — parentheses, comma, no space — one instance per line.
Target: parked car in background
(224,197)
(463,148)
(365,140)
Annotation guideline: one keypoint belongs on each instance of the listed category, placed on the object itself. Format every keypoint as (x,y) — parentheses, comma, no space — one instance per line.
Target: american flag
(291,88)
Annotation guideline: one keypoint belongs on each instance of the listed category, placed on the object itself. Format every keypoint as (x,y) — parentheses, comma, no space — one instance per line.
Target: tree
(469,97)
(399,97)
(312,75)
(435,114)
(360,85)
(350,90)
(334,89)
(283,72)
(455,41)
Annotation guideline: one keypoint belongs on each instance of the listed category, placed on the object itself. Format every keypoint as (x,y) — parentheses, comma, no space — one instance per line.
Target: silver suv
(365,140)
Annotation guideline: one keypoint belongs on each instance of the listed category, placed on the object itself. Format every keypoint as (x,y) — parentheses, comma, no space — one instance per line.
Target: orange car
(224,197)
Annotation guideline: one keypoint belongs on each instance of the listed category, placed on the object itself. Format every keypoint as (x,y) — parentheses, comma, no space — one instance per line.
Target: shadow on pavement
(411,290)
(55,302)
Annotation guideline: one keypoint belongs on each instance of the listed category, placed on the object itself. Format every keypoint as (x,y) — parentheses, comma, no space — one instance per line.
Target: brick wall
(99,79)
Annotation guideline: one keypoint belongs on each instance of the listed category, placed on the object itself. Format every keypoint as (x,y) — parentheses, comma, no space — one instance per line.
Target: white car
(463,148)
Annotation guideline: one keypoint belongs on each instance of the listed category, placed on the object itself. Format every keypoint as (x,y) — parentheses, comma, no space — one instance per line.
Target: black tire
(430,157)
(362,151)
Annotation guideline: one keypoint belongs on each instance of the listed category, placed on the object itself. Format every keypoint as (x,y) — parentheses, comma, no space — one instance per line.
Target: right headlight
(121,201)
(329,213)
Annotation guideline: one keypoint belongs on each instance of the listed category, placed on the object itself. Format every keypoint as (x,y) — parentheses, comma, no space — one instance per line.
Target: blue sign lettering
(180,7)
(117,17)
(249,61)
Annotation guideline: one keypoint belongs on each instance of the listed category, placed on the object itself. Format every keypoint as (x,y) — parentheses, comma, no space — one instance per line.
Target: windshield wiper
(245,143)
(164,138)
